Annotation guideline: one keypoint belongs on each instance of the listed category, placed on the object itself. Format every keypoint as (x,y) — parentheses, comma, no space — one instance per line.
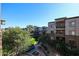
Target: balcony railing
(60,25)
(61,35)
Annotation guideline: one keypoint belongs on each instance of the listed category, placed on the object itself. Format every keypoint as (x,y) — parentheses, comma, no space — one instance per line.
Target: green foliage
(33,41)
(15,40)
(66,49)
(44,38)
(30,28)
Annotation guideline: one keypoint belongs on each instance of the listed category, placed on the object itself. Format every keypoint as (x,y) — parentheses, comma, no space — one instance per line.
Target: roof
(60,18)
(51,22)
(73,17)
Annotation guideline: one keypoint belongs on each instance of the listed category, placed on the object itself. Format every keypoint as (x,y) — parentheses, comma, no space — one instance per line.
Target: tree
(33,30)
(44,38)
(33,41)
(30,28)
(15,40)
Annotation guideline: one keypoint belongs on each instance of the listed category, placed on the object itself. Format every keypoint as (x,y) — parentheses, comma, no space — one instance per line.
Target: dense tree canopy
(15,40)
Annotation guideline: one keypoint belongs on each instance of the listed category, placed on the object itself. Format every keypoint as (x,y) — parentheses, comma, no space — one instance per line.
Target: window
(52,38)
(51,32)
(51,26)
(73,32)
(72,23)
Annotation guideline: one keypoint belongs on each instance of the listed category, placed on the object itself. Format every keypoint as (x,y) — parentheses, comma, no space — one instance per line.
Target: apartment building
(51,27)
(51,30)
(66,30)
(60,28)
(72,31)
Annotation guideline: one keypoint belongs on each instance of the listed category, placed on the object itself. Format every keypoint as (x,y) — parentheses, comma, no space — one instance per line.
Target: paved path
(42,52)
(39,50)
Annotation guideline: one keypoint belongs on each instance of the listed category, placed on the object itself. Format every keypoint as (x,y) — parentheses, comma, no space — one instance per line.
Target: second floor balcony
(60,26)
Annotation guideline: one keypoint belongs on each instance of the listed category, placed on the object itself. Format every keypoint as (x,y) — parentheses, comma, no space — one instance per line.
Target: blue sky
(38,14)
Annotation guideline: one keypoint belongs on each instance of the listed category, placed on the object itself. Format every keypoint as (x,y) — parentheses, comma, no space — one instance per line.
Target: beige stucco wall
(53,28)
(69,28)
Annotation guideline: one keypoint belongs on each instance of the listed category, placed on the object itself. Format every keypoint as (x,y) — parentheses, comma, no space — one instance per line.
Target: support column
(0,40)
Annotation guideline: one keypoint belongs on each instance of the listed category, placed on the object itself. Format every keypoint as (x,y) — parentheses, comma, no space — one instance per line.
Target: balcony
(60,35)
(60,25)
